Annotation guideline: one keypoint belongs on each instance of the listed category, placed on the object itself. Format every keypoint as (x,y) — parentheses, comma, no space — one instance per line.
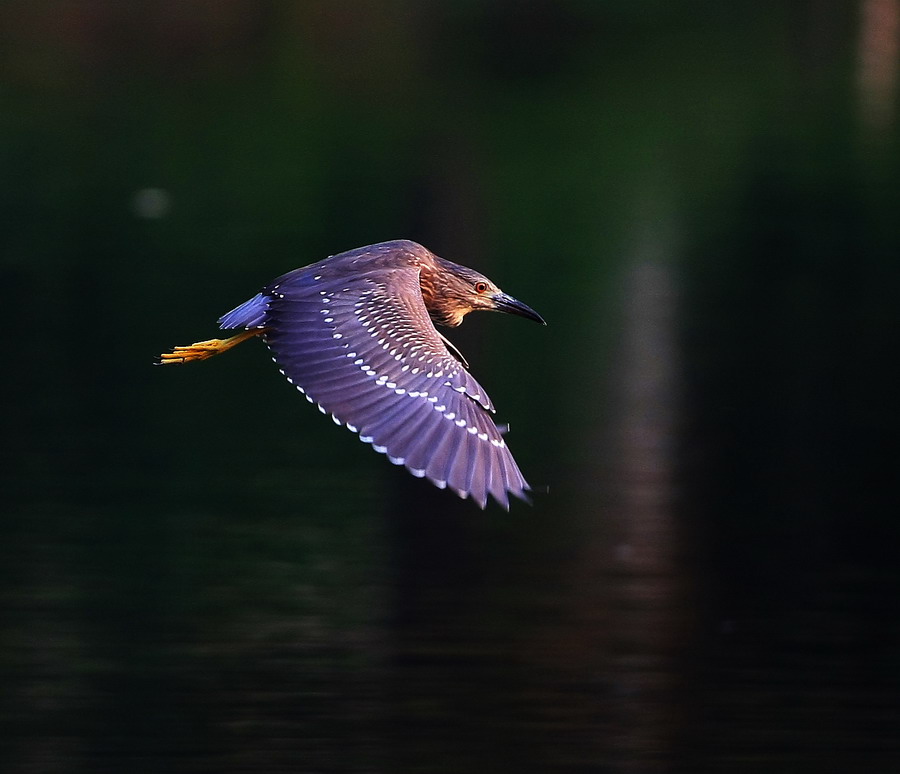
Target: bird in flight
(355,333)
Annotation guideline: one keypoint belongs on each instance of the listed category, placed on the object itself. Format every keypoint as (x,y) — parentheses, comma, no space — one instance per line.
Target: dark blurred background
(199,573)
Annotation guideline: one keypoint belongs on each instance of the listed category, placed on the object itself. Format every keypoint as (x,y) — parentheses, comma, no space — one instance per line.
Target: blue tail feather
(250,314)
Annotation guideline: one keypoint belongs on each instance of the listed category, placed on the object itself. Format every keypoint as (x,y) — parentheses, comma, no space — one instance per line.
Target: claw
(203,350)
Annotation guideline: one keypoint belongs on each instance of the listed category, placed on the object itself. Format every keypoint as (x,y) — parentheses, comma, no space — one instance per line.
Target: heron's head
(459,290)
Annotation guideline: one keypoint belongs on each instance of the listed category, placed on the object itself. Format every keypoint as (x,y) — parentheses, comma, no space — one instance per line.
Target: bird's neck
(440,301)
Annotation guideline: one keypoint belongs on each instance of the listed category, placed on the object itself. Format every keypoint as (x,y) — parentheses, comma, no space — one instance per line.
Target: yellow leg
(202,350)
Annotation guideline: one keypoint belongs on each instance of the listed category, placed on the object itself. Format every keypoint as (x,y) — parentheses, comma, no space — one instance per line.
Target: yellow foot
(202,350)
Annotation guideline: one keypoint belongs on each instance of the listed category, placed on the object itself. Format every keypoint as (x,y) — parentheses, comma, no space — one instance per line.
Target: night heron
(355,334)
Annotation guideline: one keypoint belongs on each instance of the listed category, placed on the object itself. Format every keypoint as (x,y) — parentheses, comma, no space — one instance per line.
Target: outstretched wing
(364,349)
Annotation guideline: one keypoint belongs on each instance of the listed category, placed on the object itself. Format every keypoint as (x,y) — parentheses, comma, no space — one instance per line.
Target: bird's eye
(480,287)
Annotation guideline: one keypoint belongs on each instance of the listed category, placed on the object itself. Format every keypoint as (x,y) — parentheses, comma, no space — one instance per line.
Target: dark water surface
(263,618)
(199,573)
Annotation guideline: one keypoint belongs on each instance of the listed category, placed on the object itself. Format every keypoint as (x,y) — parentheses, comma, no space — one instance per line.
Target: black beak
(510,305)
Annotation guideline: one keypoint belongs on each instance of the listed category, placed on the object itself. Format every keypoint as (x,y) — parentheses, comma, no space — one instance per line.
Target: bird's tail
(250,314)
